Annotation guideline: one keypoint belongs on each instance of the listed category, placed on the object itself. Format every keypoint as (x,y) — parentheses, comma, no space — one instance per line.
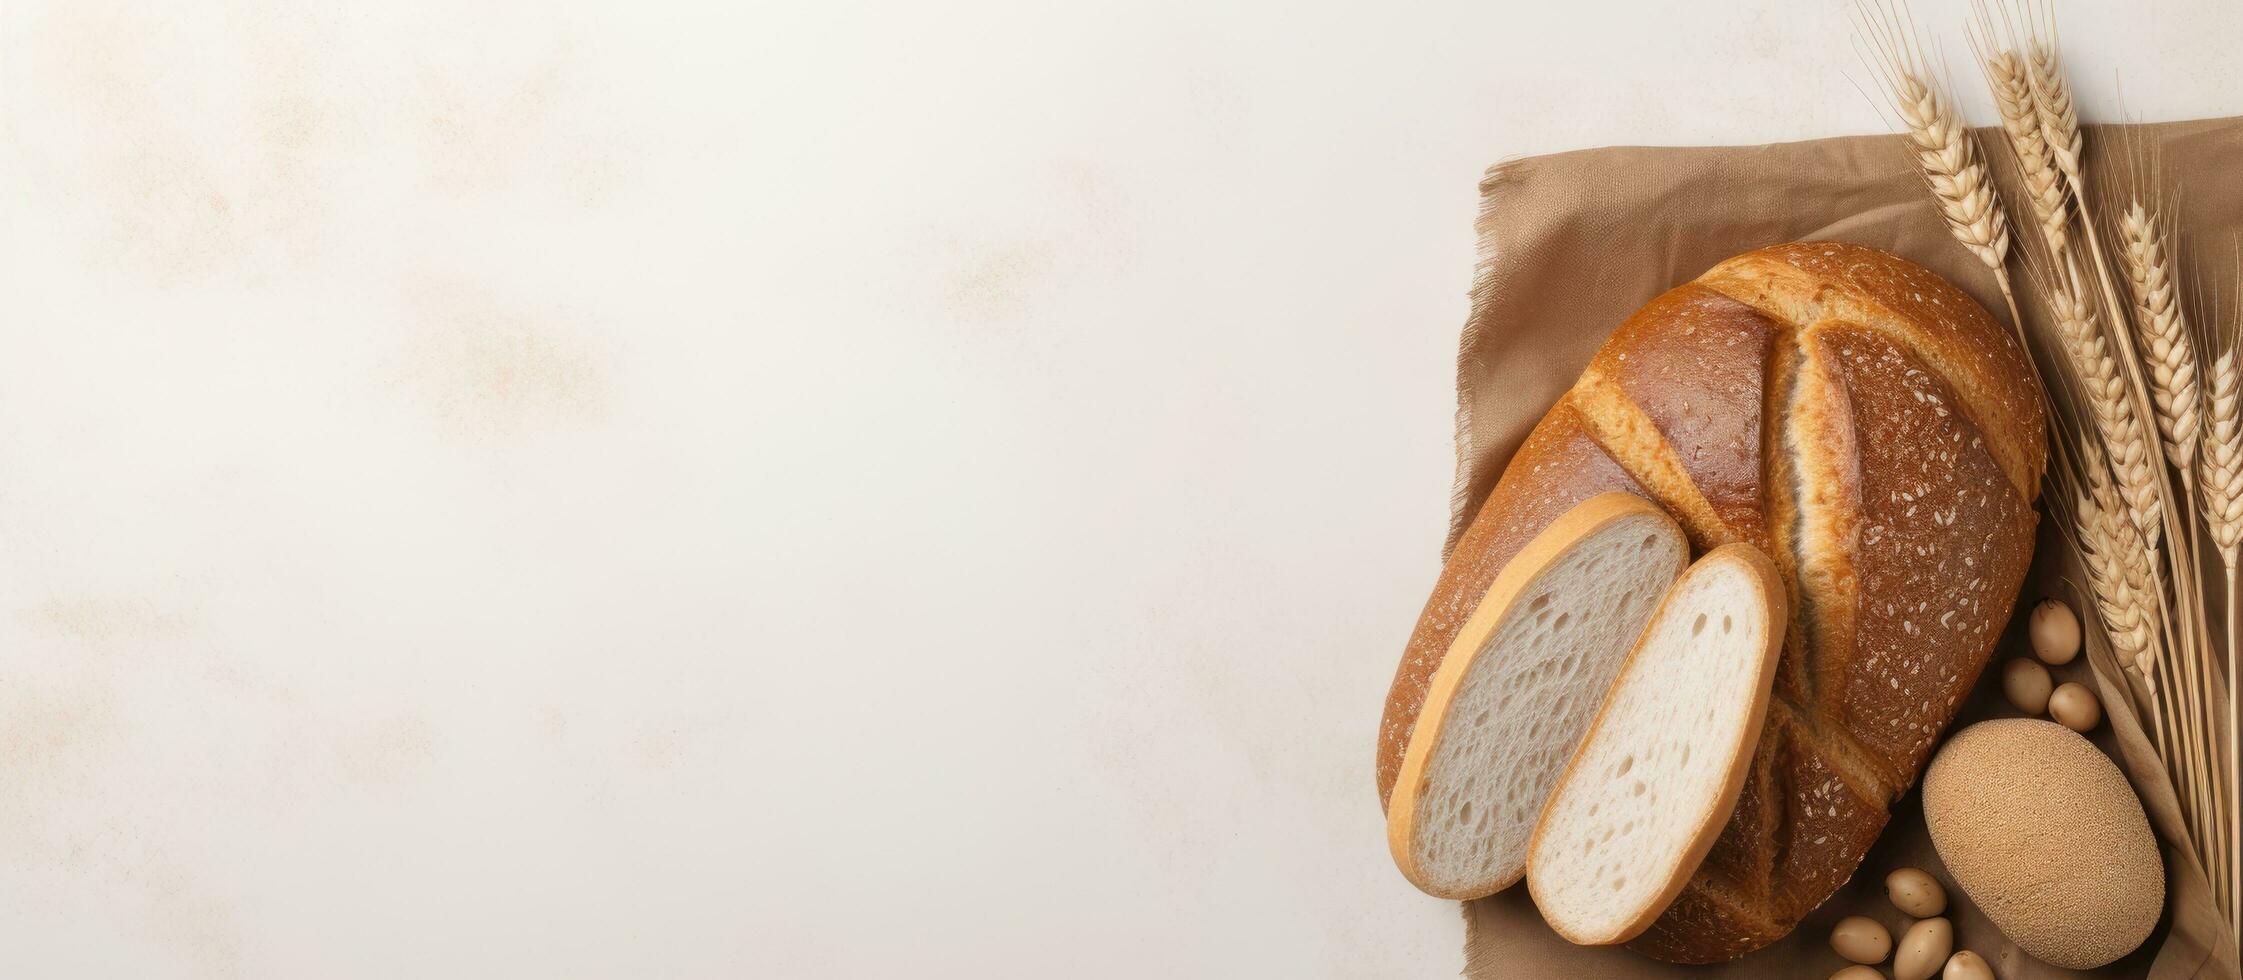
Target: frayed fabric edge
(1461,505)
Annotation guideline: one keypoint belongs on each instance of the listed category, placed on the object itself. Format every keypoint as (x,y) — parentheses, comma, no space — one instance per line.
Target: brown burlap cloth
(1570,244)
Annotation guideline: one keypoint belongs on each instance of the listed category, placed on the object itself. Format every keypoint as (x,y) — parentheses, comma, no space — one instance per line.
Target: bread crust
(1769,581)
(1899,442)
(1562,535)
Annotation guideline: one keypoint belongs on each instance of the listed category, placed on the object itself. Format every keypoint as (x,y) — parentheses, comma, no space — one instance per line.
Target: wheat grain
(2162,331)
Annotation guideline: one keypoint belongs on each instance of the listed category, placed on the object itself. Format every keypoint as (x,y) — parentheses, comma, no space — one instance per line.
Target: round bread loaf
(1876,433)
(2046,837)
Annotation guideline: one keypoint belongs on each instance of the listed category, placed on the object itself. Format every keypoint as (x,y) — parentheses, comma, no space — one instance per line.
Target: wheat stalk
(2220,474)
(2224,440)
(2215,798)
(2162,334)
(2120,573)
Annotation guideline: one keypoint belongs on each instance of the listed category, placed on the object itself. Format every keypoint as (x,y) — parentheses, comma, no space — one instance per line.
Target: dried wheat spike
(1949,158)
(2163,333)
(2113,574)
(2220,459)
(2128,444)
(2059,116)
(2012,83)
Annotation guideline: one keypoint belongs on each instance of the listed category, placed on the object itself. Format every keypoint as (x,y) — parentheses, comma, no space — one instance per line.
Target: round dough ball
(1966,965)
(2043,833)
(2055,631)
(1916,892)
(1861,939)
(2026,684)
(1923,950)
(2075,707)
(1858,973)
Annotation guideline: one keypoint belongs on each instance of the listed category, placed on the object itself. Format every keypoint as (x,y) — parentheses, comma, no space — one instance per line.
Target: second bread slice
(1659,771)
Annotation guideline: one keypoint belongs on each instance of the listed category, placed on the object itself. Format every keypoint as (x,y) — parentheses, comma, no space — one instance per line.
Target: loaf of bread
(1875,432)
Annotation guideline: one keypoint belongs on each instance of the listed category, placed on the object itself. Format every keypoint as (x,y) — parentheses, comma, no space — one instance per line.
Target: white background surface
(799,490)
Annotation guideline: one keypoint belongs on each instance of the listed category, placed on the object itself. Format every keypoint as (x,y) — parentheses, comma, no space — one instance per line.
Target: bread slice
(1660,769)
(1519,685)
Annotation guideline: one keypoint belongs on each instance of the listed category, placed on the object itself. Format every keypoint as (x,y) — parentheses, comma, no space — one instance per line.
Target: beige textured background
(786,489)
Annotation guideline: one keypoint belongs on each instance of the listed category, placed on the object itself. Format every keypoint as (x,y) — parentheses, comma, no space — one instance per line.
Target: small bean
(2055,631)
(1916,892)
(2075,707)
(2026,684)
(1923,949)
(1966,965)
(1861,939)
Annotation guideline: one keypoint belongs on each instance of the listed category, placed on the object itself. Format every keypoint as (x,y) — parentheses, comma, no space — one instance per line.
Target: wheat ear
(2012,85)
(2163,332)
(1948,156)
(2059,115)
(2117,569)
(2127,444)
(1946,153)
(2118,573)
(2220,457)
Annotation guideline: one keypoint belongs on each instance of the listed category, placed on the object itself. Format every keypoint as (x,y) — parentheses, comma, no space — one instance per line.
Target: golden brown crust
(1882,436)
(1708,924)
(1935,560)
(1940,322)
(1694,362)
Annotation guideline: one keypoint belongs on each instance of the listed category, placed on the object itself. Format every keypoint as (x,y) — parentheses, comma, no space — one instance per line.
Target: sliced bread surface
(1517,688)
(1659,770)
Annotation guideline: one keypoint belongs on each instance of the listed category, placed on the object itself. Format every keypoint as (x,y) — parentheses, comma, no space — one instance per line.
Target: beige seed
(2055,631)
(1966,965)
(1923,950)
(2075,707)
(1861,939)
(1916,893)
(1858,973)
(2027,685)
